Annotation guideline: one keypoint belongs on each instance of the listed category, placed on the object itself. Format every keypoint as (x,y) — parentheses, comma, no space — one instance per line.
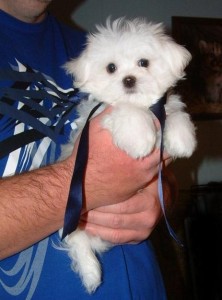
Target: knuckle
(117,221)
(147,220)
(116,237)
(140,236)
(144,235)
(151,221)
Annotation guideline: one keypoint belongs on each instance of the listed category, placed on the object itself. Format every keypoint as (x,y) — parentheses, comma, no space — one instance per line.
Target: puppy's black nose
(129,81)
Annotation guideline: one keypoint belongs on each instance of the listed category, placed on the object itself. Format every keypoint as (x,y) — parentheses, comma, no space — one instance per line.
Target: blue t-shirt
(35,92)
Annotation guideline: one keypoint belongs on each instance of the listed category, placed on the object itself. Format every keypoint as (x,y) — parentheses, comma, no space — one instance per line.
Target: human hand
(130,221)
(133,220)
(111,175)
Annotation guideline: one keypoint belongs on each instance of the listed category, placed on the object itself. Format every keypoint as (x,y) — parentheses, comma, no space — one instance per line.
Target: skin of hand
(130,221)
(134,219)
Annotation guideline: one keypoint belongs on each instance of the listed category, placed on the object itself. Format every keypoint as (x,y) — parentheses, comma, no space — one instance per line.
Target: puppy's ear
(176,56)
(79,69)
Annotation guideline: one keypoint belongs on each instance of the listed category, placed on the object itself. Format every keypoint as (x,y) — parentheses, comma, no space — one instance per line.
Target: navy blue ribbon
(159,111)
(75,198)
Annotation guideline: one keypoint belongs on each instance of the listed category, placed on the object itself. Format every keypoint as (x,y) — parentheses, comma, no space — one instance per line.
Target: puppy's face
(129,61)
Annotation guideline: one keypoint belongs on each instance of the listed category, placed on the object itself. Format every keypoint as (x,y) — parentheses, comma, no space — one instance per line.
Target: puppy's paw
(137,144)
(132,129)
(179,136)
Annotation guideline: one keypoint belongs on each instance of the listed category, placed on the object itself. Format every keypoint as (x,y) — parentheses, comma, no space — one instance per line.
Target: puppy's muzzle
(129,81)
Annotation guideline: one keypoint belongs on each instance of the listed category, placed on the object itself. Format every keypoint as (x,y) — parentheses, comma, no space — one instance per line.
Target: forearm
(32,206)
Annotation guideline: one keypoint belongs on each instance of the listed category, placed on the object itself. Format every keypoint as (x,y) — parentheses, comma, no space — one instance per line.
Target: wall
(96,11)
(206,164)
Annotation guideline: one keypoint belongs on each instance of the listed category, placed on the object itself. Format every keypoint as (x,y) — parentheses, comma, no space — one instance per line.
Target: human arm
(33,204)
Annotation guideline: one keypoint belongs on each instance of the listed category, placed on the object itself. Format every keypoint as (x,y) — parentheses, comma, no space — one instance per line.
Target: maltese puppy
(130,65)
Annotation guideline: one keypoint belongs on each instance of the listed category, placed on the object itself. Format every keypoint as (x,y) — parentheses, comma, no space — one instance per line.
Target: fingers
(117,221)
(129,222)
(117,236)
(138,203)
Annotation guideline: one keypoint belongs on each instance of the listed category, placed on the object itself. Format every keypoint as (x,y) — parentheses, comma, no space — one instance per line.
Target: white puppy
(128,64)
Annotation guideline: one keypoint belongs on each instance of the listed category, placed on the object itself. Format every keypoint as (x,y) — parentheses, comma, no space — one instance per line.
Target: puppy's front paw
(133,131)
(137,144)
(179,137)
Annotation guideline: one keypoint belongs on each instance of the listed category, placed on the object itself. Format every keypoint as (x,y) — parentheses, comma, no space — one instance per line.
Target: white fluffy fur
(124,43)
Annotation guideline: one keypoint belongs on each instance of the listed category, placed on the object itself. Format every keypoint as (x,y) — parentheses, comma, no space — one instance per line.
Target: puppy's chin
(140,99)
(130,91)
(132,97)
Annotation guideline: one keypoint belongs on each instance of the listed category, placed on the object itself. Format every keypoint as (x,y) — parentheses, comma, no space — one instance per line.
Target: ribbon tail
(161,197)
(158,110)
(75,198)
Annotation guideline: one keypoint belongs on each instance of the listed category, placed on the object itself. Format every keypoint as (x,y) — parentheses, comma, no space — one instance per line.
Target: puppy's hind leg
(84,261)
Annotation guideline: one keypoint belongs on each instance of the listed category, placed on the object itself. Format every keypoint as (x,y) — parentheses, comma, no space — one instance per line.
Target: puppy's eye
(111,68)
(143,62)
